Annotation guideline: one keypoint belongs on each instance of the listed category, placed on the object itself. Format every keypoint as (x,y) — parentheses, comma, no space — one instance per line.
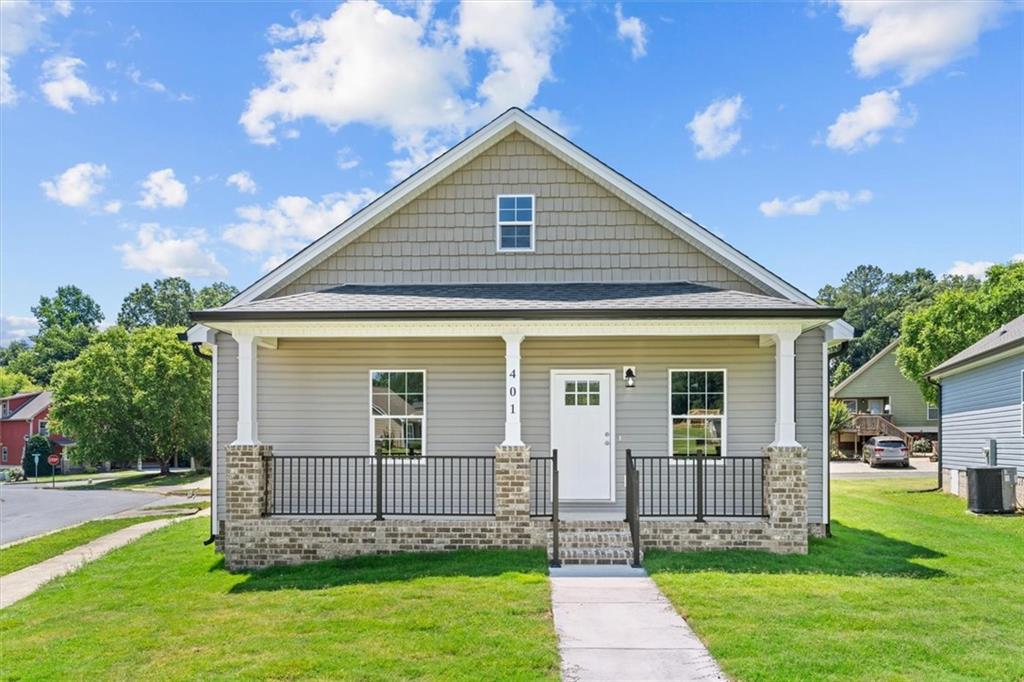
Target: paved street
(919,466)
(27,510)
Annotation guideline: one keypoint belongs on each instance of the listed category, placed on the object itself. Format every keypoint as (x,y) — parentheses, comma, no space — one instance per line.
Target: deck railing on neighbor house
(375,485)
(697,486)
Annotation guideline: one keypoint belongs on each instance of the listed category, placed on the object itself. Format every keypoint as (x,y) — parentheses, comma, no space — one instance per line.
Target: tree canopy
(15,382)
(958,318)
(70,307)
(167,302)
(130,394)
(876,302)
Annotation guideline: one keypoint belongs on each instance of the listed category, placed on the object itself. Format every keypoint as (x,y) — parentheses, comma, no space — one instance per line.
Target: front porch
(335,470)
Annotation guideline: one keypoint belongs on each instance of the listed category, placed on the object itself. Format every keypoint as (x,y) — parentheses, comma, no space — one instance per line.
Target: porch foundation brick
(786,498)
(512,484)
(247,486)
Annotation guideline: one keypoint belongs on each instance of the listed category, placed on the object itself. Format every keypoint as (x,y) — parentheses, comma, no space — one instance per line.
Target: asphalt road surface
(26,510)
(919,466)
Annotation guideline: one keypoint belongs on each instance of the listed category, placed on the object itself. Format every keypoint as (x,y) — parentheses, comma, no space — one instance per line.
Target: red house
(22,416)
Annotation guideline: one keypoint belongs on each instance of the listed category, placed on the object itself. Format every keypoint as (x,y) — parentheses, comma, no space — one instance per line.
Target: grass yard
(911,587)
(24,554)
(146,480)
(164,608)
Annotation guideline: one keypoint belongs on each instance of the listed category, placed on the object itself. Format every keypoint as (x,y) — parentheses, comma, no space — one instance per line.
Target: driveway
(919,466)
(27,511)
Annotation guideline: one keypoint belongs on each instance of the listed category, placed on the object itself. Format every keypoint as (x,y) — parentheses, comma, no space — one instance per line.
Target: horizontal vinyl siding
(981,404)
(227,411)
(884,380)
(809,411)
(583,233)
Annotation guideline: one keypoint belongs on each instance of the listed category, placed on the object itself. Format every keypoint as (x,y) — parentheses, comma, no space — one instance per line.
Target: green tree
(214,295)
(68,308)
(130,394)
(163,303)
(11,351)
(15,382)
(839,419)
(956,319)
(37,445)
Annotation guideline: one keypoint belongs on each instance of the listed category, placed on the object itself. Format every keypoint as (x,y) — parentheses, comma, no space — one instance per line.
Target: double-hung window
(44,428)
(398,412)
(933,412)
(697,412)
(515,222)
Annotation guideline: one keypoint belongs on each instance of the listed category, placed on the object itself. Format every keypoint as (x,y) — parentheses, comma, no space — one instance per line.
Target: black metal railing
(436,485)
(700,486)
(544,496)
(633,505)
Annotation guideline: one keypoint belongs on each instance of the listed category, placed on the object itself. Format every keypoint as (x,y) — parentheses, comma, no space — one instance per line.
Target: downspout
(197,350)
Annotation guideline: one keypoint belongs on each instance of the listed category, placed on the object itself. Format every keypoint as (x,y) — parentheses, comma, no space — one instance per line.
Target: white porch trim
(785,390)
(247,345)
(513,426)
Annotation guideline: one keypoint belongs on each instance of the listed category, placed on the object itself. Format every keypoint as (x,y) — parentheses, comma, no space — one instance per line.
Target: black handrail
(699,486)
(556,559)
(377,485)
(633,505)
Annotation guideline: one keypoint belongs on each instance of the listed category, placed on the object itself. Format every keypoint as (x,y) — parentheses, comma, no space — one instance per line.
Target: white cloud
(243,182)
(62,86)
(915,38)
(963,268)
(151,83)
(113,206)
(161,188)
(9,94)
(716,130)
(346,159)
(1017,258)
(862,127)
(63,7)
(16,328)
(77,185)
(841,199)
(632,30)
(162,251)
(132,37)
(291,222)
(410,75)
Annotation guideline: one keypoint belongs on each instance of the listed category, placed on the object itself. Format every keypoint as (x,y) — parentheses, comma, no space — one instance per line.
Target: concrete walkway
(617,625)
(18,585)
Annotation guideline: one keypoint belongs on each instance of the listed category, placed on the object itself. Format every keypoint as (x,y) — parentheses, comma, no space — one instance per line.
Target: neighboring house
(884,403)
(22,416)
(981,396)
(403,382)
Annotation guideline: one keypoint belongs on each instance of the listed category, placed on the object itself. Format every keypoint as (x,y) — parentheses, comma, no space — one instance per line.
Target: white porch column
(785,389)
(246,389)
(513,427)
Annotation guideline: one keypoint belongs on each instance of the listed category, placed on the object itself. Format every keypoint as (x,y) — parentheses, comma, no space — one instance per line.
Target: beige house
(517,346)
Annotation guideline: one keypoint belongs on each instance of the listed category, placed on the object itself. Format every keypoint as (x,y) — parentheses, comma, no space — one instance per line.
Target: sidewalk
(615,624)
(18,585)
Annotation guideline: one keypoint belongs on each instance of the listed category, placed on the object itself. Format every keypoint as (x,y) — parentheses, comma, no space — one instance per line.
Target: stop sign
(54,460)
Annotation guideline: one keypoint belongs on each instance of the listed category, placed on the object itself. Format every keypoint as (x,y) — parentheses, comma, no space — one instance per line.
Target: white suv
(886,450)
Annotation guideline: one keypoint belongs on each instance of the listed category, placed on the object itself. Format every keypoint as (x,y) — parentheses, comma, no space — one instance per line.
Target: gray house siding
(980,404)
(584,233)
(313,395)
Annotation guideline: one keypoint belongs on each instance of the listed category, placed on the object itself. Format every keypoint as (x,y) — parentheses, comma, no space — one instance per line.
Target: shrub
(922,445)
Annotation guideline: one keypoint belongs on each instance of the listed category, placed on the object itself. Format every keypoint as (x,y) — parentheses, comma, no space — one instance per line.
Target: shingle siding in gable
(583,233)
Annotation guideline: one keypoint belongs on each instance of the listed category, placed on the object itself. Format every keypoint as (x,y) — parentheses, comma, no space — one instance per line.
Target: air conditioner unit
(990,489)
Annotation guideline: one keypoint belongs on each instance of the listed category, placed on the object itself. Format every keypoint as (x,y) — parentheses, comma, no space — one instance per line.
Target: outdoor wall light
(629,374)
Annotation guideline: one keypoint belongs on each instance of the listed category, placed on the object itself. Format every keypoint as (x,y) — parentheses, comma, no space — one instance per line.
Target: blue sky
(213,140)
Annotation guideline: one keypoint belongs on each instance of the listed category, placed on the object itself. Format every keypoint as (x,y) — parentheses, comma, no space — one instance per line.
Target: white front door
(581,431)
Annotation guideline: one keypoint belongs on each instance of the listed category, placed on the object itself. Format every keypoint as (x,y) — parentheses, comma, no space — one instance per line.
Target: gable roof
(577,300)
(30,409)
(1006,338)
(865,367)
(518,120)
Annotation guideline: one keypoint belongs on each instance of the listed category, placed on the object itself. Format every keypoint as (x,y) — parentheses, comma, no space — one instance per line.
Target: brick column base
(786,498)
(248,481)
(512,484)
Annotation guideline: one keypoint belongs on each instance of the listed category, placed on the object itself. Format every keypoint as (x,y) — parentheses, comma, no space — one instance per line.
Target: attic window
(515,222)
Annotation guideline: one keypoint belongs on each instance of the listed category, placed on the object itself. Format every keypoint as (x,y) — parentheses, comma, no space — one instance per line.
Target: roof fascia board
(994,355)
(437,169)
(865,367)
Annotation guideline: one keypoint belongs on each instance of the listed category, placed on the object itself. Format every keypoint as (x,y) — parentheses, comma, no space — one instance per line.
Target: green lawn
(146,480)
(19,556)
(164,608)
(911,587)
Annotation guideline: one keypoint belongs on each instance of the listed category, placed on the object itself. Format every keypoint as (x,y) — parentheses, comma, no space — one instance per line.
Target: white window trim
(39,427)
(847,401)
(4,454)
(418,461)
(928,412)
(498,223)
(724,416)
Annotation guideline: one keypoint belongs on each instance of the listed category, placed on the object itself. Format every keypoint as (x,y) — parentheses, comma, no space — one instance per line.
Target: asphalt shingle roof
(31,408)
(353,301)
(1010,334)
